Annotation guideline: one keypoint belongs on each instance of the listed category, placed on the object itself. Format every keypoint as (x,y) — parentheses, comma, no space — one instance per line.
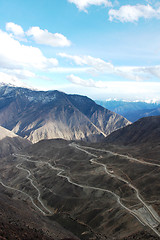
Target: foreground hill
(141,139)
(41,115)
(82,191)
(146,130)
(10,142)
(92,192)
(18,220)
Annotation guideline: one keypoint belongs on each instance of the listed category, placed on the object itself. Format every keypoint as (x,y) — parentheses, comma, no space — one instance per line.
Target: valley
(92,187)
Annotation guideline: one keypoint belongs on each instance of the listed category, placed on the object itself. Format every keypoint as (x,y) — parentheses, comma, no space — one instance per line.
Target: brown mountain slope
(141,139)
(84,192)
(18,220)
(146,130)
(11,143)
(91,192)
(45,115)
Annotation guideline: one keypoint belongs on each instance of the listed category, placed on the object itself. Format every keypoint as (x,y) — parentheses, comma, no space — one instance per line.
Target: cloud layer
(99,66)
(19,62)
(15,55)
(128,90)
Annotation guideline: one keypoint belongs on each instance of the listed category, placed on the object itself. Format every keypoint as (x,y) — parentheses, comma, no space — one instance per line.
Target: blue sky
(99,48)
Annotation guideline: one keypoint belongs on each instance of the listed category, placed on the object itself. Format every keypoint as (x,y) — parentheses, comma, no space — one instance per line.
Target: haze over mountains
(132,110)
(41,115)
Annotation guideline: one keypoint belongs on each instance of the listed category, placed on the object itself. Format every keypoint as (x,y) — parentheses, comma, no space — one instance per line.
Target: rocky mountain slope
(39,115)
(10,142)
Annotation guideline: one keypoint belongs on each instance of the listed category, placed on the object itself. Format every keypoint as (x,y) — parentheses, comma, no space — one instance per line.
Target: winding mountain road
(26,194)
(94,160)
(39,193)
(60,174)
(114,154)
(135,213)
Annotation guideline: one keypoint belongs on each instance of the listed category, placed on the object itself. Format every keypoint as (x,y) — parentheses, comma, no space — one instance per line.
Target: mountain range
(132,110)
(37,115)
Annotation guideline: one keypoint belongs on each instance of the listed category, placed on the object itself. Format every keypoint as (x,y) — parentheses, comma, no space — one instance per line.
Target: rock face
(144,131)
(10,142)
(38,115)
(6,133)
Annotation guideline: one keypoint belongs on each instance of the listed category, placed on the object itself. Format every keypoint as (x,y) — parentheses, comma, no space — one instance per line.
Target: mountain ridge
(145,130)
(38,115)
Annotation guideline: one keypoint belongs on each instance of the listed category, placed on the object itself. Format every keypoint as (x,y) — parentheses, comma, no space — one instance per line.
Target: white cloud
(97,64)
(20,73)
(39,36)
(15,29)
(86,83)
(129,13)
(51,39)
(154,70)
(139,72)
(7,78)
(70,69)
(14,55)
(83,4)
